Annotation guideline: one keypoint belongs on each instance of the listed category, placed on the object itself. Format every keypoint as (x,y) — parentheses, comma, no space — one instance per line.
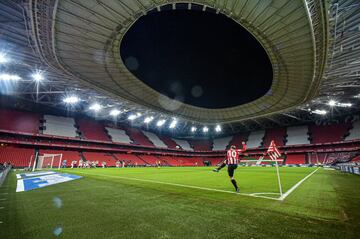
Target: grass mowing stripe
(297,185)
(180,185)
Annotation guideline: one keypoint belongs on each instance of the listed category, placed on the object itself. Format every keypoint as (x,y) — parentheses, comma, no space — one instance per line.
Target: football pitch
(185,202)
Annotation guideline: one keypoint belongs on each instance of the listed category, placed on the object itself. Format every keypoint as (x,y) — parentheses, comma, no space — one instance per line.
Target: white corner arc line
(181,185)
(297,185)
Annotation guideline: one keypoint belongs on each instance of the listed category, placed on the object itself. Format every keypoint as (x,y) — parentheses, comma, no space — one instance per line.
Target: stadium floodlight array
(71,100)
(148,119)
(193,129)
(320,112)
(160,123)
(3,58)
(344,104)
(95,107)
(173,124)
(218,128)
(9,77)
(114,112)
(205,129)
(333,103)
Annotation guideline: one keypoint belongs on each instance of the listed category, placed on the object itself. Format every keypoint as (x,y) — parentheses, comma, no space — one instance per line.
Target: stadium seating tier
(17,156)
(20,121)
(297,135)
(92,130)
(60,126)
(295,159)
(328,133)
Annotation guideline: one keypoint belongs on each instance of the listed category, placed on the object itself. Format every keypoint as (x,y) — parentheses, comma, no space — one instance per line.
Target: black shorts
(231,169)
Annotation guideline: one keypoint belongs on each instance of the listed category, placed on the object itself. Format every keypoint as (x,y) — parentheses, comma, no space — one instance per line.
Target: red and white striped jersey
(232,156)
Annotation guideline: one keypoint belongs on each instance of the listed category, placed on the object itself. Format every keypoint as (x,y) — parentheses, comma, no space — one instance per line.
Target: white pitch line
(2,208)
(296,185)
(181,185)
(265,193)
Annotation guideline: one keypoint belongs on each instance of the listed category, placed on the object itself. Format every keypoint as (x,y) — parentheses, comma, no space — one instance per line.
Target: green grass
(105,203)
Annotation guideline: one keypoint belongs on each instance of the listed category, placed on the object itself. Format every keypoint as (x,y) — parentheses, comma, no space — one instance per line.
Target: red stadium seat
(92,130)
(201,144)
(17,156)
(130,159)
(276,134)
(101,157)
(328,133)
(238,139)
(168,141)
(138,137)
(21,121)
(295,159)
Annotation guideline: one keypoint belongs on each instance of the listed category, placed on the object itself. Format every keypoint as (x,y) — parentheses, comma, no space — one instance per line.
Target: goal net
(49,161)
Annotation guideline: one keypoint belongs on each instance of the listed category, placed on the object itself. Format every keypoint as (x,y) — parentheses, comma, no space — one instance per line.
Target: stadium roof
(76,44)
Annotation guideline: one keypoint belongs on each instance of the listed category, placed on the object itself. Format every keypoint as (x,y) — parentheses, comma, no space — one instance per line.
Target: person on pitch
(231,160)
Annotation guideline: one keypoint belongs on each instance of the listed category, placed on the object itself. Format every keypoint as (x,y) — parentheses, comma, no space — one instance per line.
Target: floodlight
(332,102)
(9,77)
(3,58)
(320,112)
(148,119)
(71,100)
(205,129)
(160,123)
(95,107)
(132,117)
(37,76)
(218,128)
(344,104)
(114,112)
(193,129)
(173,124)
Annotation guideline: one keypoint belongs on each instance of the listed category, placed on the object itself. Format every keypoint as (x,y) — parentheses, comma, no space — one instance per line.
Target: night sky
(200,58)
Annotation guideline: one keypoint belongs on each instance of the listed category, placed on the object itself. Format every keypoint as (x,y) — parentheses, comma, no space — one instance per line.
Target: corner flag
(273,152)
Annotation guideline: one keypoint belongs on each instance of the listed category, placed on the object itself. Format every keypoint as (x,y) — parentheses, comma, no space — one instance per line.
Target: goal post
(49,161)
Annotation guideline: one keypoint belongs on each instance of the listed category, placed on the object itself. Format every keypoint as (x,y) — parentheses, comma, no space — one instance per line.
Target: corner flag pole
(278,176)
(274,155)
